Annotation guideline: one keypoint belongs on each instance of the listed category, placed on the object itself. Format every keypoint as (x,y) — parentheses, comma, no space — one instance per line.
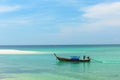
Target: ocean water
(105,64)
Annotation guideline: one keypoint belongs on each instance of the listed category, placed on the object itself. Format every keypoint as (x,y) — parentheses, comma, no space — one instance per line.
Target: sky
(59,22)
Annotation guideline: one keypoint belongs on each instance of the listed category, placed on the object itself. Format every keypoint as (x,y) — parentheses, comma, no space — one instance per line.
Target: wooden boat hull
(70,60)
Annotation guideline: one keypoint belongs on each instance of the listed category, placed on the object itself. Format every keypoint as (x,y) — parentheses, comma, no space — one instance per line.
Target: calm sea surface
(105,64)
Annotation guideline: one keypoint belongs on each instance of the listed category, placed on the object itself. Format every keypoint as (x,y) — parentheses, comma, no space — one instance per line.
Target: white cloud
(103,11)
(103,16)
(99,17)
(9,8)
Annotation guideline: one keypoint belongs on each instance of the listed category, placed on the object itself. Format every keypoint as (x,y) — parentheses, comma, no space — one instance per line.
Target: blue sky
(52,22)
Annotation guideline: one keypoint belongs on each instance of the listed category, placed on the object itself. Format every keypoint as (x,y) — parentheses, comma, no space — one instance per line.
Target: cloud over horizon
(9,8)
(101,19)
(61,21)
(103,15)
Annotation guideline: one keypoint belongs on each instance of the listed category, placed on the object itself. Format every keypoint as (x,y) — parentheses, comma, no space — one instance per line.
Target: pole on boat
(97,60)
(55,55)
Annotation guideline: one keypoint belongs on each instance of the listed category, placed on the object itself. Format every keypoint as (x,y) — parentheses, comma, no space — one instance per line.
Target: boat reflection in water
(73,66)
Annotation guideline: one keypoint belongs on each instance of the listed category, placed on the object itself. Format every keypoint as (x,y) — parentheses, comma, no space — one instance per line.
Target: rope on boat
(97,60)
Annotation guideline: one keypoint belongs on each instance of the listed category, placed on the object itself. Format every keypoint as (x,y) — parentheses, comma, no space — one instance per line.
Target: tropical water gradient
(105,63)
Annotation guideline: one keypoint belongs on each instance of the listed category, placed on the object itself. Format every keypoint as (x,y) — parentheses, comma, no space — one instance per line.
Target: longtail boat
(72,60)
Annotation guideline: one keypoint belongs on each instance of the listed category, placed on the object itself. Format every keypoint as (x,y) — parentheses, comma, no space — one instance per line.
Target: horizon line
(60,45)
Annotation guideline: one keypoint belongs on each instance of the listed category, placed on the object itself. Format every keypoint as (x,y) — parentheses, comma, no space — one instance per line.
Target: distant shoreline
(61,45)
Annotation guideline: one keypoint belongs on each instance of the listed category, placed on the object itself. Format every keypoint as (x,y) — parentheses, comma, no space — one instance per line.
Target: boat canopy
(75,57)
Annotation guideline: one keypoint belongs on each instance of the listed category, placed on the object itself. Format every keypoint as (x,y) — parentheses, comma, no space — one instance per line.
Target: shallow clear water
(104,66)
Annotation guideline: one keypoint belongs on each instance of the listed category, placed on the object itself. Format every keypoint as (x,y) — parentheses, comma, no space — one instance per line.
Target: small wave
(111,62)
(12,51)
(107,62)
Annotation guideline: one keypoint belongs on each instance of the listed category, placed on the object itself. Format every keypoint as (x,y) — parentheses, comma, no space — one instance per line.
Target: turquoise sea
(105,64)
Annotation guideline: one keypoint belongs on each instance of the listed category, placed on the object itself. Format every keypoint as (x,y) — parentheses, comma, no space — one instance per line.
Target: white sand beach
(7,51)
